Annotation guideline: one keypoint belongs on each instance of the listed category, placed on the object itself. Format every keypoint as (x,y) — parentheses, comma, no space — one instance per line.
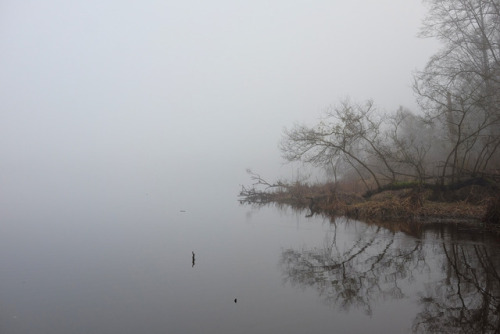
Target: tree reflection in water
(462,294)
(369,269)
(467,299)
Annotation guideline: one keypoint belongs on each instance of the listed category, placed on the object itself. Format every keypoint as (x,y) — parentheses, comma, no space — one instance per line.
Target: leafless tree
(349,133)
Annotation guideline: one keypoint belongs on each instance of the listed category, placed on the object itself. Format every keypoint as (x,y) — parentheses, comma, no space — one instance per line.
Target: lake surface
(129,268)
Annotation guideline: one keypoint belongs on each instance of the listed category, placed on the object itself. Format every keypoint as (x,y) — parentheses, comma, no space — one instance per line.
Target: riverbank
(473,204)
(408,205)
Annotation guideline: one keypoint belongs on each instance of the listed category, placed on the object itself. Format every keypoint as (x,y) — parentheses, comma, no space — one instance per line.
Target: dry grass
(467,204)
(415,207)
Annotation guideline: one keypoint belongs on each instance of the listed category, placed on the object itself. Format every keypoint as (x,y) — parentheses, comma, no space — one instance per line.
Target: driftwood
(251,195)
(257,196)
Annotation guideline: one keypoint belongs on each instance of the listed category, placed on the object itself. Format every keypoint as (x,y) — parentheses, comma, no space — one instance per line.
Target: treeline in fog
(455,135)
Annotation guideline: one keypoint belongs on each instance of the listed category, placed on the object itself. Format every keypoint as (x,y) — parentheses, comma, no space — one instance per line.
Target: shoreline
(476,207)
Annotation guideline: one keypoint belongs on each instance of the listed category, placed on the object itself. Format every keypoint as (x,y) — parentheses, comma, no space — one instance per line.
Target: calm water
(130,269)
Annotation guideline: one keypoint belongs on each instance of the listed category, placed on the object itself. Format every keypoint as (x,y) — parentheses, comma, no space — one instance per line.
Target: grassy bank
(474,203)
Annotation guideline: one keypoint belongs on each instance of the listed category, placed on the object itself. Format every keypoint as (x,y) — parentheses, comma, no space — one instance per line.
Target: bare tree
(349,133)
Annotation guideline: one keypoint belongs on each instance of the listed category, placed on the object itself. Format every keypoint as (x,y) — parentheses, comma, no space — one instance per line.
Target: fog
(173,100)
(126,128)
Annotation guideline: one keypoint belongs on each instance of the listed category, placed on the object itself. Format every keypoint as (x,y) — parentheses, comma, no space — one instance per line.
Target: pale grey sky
(168,93)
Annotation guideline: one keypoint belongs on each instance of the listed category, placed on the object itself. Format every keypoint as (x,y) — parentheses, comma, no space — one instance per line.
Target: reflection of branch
(354,278)
(468,299)
(362,250)
(380,256)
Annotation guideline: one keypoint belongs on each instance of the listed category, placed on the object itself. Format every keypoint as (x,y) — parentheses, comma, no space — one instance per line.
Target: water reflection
(370,268)
(467,298)
(462,289)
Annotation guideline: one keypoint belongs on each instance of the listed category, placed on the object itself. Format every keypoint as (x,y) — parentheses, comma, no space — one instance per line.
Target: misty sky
(162,94)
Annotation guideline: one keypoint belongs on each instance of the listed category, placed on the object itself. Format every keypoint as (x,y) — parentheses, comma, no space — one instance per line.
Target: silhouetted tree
(349,133)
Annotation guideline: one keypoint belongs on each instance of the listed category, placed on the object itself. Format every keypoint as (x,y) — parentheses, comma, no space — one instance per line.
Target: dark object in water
(235,300)
(193,260)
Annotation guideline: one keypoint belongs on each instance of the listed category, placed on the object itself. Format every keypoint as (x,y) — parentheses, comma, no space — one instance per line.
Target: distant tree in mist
(459,89)
(412,143)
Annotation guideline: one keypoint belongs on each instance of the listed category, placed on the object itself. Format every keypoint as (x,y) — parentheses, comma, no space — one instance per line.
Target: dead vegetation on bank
(477,203)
